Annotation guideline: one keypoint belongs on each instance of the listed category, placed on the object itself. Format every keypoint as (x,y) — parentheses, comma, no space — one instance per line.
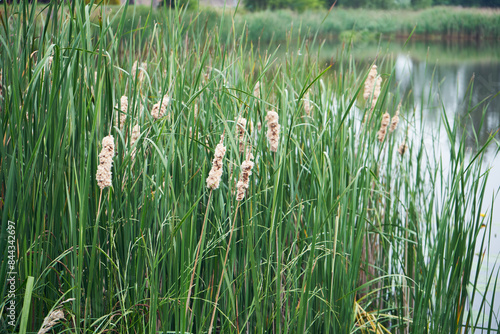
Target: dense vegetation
(384,4)
(344,24)
(340,229)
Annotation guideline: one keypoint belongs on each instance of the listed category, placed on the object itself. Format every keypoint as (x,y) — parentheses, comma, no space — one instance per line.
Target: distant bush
(299,5)
(191,4)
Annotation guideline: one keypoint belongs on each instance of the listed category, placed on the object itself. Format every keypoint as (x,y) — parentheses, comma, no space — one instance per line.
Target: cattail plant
(215,174)
(273,130)
(244,181)
(373,84)
(402,148)
(307,105)
(160,109)
(376,92)
(370,82)
(122,115)
(137,72)
(136,131)
(256,90)
(103,175)
(241,124)
(51,320)
(49,61)
(386,119)
(395,119)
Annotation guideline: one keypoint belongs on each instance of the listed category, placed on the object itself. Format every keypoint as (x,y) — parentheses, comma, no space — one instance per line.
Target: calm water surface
(456,78)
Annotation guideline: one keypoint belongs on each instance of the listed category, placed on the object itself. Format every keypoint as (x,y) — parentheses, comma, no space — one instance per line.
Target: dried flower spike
(307,105)
(137,72)
(215,174)
(160,109)
(402,148)
(241,124)
(376,92)
(395,119)
(122,115)
(103,175)
(386,118)
(244,181)
(136,132)
(370,82)
(51,320)
(256,90)
(273,130)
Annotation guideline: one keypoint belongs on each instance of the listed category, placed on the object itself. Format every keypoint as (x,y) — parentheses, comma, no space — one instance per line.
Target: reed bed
(206,224)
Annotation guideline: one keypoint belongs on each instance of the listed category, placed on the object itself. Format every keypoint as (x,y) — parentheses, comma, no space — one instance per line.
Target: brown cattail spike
(137,72)
(307,105)
(241,123)
(370,82)
(376,92)
(244,181)
(395,119)
(402,148)
(386,118)
(215,174)
(136,131)
(122,115)
(256,90)
(160,109)
(103,175)
(273,130)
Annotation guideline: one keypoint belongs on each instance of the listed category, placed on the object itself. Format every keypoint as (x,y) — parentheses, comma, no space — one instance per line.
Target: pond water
(463,79)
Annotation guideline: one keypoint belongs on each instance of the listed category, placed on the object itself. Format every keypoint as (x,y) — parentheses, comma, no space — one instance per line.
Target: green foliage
(383,4)
(421,3)
(299,5)
(469,3)
(191,4)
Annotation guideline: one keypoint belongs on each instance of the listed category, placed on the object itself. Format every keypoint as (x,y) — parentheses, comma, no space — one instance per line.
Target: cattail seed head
(370,82)
(244,181)
(241,124)
(273,130)
(51,320)
(160,109)
(49,61)
(215,174)
(103,175)
(137,72)
(395,119)
(386,118)
(256,90)
(376,91)
(307,104)
(402,148)
(122,115)
(136,132)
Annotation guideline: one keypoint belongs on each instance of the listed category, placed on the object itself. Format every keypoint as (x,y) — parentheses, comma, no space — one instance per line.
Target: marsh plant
(142,193)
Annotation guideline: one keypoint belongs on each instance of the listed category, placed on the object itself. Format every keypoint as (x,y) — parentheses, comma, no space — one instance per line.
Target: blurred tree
(421,3)
(292,4)
(255,4)
(489,3)
(179,3)
(385,4)
(469,3)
